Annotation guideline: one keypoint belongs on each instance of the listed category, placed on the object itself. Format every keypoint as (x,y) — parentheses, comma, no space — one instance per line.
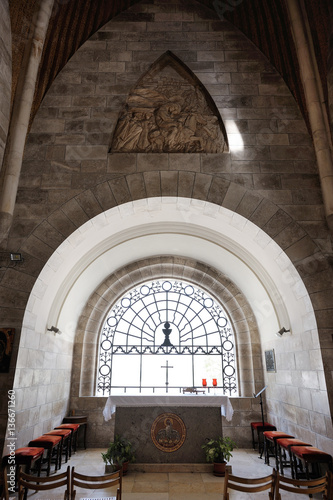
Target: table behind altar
(199,417)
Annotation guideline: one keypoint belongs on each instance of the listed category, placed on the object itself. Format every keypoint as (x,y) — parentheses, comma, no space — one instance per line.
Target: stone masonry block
(186,182)
(149,162)
(215,163)
(153,183)
(182,161)
(120,190)
(218,190)
(89,203)
(121,163)
(201,187)
(86,152)
(104,195)
(169,183)
(136,186)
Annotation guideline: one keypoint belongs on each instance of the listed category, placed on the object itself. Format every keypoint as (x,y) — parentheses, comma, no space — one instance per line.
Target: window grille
(163,337)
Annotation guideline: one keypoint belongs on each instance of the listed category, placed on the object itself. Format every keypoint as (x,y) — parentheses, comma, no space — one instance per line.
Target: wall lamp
(12,256)
(16,257)
(281,332)
(55,330)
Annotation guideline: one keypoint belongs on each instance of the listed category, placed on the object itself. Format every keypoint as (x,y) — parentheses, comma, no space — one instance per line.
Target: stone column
(18,128)
(330,70)
(316,109)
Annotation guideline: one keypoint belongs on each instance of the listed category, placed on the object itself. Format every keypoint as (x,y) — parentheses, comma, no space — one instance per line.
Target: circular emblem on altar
(168,432)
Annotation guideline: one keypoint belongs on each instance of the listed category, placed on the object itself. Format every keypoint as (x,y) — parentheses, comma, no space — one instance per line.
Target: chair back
(4,492)
(37,483)
(304,486)
(111,480)
(249,485)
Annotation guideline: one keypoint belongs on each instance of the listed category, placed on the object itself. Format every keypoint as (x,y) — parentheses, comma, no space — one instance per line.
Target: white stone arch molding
(173,226)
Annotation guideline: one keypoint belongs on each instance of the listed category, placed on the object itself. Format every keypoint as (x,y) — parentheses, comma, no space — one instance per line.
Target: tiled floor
(170,485)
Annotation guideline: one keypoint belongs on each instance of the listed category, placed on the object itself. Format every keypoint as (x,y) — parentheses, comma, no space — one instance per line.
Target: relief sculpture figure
(169,114)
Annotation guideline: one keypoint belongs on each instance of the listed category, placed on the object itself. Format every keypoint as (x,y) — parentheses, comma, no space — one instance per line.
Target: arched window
(165,336)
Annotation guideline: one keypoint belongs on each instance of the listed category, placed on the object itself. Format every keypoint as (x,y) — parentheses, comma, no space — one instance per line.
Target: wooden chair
(27,482)
(304,487)
(29,458)
(97,482)
(249,485)
(4,492)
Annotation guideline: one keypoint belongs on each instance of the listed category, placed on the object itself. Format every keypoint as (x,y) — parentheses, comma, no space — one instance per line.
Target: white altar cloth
(186,400)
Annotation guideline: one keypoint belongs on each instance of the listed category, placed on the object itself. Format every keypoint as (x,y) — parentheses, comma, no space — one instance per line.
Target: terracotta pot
(114,467)
(219,469)
(125,468)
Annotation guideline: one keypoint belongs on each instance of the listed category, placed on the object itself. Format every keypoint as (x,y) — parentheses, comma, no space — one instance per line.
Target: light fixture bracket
(282,331)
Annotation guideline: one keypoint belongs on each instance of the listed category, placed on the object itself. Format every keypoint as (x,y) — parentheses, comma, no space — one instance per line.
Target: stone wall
(6,379)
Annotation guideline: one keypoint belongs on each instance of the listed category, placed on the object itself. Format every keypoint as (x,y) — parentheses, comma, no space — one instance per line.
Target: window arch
(164,336)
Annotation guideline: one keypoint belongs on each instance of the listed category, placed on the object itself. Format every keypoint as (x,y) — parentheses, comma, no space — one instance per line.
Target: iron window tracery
(165,318)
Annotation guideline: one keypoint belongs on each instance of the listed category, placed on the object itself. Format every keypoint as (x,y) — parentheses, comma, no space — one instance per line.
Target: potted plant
(218,452)
(118,454)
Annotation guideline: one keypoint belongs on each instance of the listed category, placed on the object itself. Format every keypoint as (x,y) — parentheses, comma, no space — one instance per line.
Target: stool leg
(60,453)
(280,460)
(253,442)
(261,445)
(75,441)
(70,444)
(85,436)
(49,455)
(266,451)
(276,456)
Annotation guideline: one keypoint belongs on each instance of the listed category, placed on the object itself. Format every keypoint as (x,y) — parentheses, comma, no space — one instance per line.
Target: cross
(167,374)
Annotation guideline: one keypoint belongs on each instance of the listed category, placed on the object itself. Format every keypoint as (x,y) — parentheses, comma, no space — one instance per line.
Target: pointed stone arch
(169,111)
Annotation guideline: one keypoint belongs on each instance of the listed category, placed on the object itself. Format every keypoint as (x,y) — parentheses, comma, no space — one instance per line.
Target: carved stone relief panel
(169,111)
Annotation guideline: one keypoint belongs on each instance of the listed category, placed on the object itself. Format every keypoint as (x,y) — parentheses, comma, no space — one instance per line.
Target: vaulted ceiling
(264,22)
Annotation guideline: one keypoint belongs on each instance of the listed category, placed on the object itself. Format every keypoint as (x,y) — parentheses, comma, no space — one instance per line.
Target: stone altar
(201,416)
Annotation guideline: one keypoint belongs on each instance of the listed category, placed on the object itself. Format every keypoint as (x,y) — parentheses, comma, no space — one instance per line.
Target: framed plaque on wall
(270,361)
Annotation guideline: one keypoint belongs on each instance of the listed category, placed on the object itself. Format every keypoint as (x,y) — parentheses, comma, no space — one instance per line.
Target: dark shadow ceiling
(264,22)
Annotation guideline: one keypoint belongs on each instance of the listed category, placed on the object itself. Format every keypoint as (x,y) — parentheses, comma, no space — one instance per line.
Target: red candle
(204,382)
(214,382)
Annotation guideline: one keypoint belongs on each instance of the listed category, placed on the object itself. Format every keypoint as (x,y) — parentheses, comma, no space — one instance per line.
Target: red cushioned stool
(270,438)
(283,446)
(259,428)
(26,456)
(66,442)
(29,457)
(52,445)
(309,455)
(74,429)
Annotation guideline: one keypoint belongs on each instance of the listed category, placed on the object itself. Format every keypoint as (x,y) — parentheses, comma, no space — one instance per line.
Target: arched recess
(214,282)
(183,228)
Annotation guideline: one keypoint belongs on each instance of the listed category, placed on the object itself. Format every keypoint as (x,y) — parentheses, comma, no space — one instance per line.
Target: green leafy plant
(119,451)
(218,450)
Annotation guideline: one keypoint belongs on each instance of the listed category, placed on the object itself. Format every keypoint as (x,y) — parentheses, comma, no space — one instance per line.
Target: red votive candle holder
(214,382)
(204,382)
